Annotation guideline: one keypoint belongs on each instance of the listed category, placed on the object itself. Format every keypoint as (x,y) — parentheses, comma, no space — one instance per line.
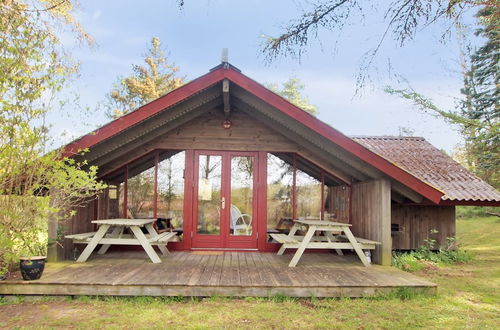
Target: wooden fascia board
(274,100)
(132,118)
(335,136)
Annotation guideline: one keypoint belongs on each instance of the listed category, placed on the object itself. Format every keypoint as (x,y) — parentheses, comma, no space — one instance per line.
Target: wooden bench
(284,239)
(365,244)
(81,238)
(163,238)
(125,239)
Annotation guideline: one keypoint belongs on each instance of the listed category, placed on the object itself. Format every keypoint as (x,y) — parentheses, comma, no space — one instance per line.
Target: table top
(124,222)
(323,223)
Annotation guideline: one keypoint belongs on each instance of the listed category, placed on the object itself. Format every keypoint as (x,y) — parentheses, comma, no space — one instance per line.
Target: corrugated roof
(429,164)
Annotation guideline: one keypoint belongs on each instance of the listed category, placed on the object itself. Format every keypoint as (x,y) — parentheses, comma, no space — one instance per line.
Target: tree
(478,114)
(292,91)
(147,82)
(481,100)
(35,185)
(404,19)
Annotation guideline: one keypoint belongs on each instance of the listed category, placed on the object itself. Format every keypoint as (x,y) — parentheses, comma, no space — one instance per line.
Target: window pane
(171,190)
(241,195)
(308,196)
(140,195)
(279,194)
(209,194)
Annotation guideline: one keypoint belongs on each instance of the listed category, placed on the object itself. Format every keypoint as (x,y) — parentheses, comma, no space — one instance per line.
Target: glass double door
(224,207)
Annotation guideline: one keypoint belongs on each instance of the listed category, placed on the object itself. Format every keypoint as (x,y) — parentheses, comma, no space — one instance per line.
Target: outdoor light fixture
(226,124)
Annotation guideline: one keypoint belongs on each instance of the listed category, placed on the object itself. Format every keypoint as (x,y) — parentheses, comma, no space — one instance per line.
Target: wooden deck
(217,273)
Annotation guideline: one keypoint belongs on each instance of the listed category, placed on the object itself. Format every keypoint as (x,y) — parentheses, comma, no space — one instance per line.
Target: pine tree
(292,91)
(146,83)
(480,105)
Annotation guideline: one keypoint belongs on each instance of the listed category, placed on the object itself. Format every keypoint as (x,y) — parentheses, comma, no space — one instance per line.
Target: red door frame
(224,240)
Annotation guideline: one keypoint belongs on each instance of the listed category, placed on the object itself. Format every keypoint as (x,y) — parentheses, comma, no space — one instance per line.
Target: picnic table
(111,232)
(344,239)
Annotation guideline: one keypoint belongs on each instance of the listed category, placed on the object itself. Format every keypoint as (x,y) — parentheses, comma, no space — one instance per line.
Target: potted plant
(33,242)
(32,267)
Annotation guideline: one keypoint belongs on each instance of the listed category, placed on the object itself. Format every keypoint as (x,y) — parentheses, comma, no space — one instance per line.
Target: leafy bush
(464,212)
(427,257)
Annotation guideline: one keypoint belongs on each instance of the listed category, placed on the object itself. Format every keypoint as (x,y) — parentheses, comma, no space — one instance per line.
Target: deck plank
(232,273)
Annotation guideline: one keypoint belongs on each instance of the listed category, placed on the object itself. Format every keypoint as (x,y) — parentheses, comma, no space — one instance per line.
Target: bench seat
(360,240)
(163,237)
(81,236)
(284,239)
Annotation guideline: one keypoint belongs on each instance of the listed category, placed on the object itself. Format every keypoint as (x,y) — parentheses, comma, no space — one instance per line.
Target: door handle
(223,202)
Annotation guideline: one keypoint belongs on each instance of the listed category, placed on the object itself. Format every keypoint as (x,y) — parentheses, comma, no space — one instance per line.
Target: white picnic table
(328,241)
(117,237)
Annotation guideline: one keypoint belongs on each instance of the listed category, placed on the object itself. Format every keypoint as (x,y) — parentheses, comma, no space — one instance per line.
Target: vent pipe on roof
(225,58)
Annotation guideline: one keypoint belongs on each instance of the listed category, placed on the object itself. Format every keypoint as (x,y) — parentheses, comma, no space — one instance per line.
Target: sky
(195,36)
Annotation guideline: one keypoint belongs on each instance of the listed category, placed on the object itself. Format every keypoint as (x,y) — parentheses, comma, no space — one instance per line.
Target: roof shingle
(420,158)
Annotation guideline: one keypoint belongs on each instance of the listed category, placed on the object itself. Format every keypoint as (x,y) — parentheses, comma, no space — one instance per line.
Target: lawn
(468,297)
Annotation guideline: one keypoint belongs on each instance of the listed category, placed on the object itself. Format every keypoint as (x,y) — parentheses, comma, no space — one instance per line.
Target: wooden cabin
(223,144)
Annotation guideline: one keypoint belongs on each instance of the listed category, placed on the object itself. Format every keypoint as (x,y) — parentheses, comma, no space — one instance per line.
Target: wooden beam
(339,164)
(397,197)
(406,192)
(137,142)
(155,125)
(225,97)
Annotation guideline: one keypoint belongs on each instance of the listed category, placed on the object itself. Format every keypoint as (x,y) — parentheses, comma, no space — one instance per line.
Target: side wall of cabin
(411,225)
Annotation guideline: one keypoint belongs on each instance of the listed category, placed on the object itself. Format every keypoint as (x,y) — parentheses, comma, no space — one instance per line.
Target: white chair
(240,221)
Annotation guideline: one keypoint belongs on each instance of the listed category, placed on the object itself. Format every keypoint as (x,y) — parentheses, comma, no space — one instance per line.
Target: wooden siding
(416,223)
(371,216)
(245,134)
(338,203)
(79,223)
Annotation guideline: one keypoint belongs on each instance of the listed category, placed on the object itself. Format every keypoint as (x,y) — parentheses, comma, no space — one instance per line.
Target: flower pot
(32,267)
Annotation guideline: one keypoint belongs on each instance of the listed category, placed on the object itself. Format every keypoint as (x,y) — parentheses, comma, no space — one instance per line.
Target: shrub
(426,257)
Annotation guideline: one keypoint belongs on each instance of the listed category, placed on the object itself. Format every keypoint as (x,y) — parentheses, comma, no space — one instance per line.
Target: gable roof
(220,73)
(426,162)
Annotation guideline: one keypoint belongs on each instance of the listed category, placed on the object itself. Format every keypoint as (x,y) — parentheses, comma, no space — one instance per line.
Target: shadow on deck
(217,273)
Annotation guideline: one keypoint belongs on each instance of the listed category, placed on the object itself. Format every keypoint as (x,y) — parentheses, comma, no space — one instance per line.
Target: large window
(152,187)
(279,194)
(171,189)
(140,195)
(308,192)
(296,189)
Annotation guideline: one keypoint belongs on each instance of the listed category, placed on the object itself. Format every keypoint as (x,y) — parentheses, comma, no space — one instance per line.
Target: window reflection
(209,194)
(140,195)
(171,191)
(308,190)
(279,194)
(241,195)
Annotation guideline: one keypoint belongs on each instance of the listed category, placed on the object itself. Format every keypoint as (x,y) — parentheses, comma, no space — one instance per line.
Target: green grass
(468,297)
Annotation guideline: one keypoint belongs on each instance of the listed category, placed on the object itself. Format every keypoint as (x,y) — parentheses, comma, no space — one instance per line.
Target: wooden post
(294,188)
(371,216)
(155,193)
(53,250)
(322,212)
(125,193)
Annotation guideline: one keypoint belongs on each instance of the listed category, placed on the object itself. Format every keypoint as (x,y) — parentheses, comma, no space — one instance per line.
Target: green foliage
(292,90)
(481,100)
(478,117)
(147,82)
(35,185)
(427,257)
(464,212)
